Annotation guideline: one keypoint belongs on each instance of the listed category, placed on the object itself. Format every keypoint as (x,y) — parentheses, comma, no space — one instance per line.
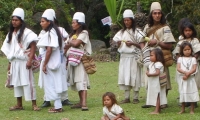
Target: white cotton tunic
(154,87)
(187,88)
(114,111)
(54,82)
(129,70)
(77,76)
(20,76)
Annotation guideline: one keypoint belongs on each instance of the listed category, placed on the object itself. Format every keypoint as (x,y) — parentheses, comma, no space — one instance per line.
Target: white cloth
(187,88)
(154,86)
(115,110)
(79,16)
(18,12)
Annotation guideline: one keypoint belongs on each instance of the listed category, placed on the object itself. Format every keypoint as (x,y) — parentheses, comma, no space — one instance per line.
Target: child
(111,110)
(156,95)
(186,66)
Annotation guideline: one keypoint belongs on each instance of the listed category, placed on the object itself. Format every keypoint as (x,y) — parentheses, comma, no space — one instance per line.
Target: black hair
(159,55)
(56,22)
(183,45)
(151,21)
(181,23)
(52,25)
(21,30)
(82,27)
(190,26)
(133,25)
(111,96)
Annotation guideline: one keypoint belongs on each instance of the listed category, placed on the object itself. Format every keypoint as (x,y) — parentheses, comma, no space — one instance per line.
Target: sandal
(16,108)
(84,108)
(52,110)
(78,105)
(36,108)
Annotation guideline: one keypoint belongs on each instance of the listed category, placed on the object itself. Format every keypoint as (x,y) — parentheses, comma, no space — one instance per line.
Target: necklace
(188,62)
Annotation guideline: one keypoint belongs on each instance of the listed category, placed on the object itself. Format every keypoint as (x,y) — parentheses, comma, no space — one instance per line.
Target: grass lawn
(105,79)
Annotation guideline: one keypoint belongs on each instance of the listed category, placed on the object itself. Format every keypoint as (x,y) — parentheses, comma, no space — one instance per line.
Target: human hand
(147,73)
(44,69)
(185,77)
(152,42)
(129,43)
(119,43)
(28,64)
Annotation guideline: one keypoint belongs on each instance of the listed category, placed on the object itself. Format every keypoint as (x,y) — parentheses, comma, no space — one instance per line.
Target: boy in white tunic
(19,48)
(128,46)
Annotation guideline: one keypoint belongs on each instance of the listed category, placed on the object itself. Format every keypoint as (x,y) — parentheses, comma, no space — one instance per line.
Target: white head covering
(79,16)
(19,12)
(155,6)
(128,14)
(48,14)
(53,12)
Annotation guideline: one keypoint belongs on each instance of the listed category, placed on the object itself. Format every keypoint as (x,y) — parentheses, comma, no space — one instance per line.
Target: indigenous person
(156,94)
(188,33)
(77,75)
(51,69)
(111,110)
(64,35)
(186,67)
(160,36)
(19,48)
(128,46)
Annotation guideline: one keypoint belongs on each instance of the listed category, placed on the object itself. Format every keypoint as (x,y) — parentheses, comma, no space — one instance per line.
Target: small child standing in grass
(156,95)
(111,110)
(186,67)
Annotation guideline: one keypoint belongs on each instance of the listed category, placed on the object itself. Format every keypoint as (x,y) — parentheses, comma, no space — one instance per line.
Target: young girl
(186,66)
(111,110)
(156,95)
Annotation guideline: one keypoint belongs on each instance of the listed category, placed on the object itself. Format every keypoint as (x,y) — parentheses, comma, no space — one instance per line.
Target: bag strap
(153,30)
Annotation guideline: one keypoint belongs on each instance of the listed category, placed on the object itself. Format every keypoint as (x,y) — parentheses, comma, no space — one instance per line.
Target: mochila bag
(74,56)
(88,64)
(163,79)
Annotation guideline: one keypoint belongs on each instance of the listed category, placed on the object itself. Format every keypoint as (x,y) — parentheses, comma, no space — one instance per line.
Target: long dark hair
(111,96)
(183,45)
(21,30)
(82,27)
(181,23)
(159,55)
(52,25)
(151,22)
(133,25)
(190,26)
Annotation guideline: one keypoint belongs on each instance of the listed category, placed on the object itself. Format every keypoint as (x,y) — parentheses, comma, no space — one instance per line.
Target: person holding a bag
(159,36)
(78,44)
(19,48)
(128,46)
(51,69)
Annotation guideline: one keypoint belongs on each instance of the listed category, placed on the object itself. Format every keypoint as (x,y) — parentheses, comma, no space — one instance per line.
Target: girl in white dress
(111,110)
(156,95)
(186,67)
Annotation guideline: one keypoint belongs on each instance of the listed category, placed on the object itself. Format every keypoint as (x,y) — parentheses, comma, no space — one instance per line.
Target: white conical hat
(53,12)
(155,6)
(79,16)
(128,14)
(18,12)
(48,14)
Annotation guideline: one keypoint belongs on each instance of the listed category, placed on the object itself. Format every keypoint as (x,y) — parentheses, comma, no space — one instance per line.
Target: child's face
(152,56)
(187,32)
(187,51)
(107,101)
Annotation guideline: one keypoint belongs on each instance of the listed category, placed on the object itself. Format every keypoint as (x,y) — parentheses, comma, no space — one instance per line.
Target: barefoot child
(156,95)
(111,110)
(186,66)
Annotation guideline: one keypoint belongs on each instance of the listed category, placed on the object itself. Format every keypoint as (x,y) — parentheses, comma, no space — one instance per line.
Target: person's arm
(193,70)
(31,54)
(47,57)
(178,67)
(164,45)
(75,43)
(196,55)
(117,117)
(129,43)
(153,74)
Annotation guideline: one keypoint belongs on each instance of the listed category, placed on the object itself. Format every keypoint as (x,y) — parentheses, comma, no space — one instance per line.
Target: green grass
(105,79)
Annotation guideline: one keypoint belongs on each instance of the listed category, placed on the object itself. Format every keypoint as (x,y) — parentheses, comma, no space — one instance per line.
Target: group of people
(53,44)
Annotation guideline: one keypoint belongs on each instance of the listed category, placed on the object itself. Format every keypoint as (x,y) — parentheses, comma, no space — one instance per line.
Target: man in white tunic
(128,46)
(19,48)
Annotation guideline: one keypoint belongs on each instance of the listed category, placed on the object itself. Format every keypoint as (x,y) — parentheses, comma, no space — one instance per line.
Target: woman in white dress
(77,75)
(18,43)
(51,69)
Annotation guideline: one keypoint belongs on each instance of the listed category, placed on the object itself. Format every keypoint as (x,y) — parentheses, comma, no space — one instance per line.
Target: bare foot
(191,112)
(181,112)
(154,113)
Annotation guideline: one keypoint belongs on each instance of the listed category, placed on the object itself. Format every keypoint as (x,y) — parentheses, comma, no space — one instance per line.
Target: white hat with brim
(19,12)
(155,6)
(48,15)
(128,14)
(79,16)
